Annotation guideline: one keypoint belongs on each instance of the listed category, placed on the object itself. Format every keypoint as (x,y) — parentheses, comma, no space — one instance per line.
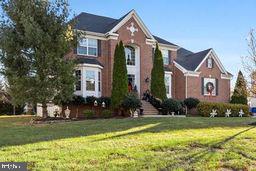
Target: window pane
(165,55)
(92,42)
(209,63)
(130,55)
(90,80)
(166,60)
(92,51)
(83,42)
(167,84)
(82,50)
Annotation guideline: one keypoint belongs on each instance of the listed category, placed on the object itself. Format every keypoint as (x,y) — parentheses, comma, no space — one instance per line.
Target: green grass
(131,144)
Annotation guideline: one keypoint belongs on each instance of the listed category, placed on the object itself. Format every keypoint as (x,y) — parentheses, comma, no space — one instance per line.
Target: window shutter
(75,48)
(212,63)
(217,87)
(153,53)
(170,56)
(202,85)
(99,48)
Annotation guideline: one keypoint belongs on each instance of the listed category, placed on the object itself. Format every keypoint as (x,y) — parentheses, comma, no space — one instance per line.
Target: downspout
(186,87)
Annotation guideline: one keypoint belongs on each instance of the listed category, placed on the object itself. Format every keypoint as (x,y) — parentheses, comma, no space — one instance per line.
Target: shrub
(7,109)
(107,101)
(90,100)
(131,102)
(171,105)
(191,102)
(77,100)
(106,113)
(205,108)
(157,103)
(89,114)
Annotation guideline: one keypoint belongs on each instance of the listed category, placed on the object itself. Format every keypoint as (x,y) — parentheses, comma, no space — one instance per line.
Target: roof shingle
(190,60)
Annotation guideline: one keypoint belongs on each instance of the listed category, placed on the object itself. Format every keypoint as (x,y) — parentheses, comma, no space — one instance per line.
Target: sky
(193,24)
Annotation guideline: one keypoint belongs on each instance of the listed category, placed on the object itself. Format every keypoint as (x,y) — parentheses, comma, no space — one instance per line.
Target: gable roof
(94,23)
(160,40)
(189,60)
(100,24)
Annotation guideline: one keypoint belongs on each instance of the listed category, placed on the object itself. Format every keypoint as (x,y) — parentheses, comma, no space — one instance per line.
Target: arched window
(130,55)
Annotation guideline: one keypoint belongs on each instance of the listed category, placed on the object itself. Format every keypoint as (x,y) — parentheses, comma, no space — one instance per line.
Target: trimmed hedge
(171,105)
(191,102)
(205,108)
(89,114)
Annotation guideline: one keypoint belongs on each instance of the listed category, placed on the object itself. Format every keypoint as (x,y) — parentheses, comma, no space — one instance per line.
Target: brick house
(187,74)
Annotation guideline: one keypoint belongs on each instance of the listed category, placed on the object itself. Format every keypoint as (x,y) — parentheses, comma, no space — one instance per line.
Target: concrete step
(148,108)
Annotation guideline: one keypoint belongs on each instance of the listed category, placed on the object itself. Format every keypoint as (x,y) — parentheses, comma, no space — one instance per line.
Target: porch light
(147,80)
(95,103)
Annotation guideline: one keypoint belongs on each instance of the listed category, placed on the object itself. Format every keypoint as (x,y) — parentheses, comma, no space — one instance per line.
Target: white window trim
(169,74)
(166,50)
(209,59)
(87,47)
(214,94)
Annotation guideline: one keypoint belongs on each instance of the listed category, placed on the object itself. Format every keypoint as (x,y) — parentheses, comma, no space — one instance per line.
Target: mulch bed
(50,120)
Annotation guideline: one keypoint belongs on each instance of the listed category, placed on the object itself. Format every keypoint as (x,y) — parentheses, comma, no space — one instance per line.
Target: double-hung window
(165,54)
(87,46)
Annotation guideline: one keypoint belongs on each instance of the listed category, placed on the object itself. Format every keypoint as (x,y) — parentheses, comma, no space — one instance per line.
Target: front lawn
(131,144)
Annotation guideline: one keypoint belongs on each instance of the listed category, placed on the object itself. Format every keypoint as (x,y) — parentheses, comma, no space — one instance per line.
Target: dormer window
(209,63)
(88,47)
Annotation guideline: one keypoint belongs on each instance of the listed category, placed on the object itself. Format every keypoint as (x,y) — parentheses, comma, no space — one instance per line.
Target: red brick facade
(182,86)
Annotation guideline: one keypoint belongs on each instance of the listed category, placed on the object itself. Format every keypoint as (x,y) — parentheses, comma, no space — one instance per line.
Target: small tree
(34,37)
(158,89)
(120,80)
(240,92)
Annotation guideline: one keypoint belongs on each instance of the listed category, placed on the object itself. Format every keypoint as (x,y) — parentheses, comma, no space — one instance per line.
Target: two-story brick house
(187,74)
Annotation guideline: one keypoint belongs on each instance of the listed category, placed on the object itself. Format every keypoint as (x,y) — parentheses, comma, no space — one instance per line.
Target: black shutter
(212,63)
(206,62)
(99,48)
(217,87)
(202,85)
(170,56)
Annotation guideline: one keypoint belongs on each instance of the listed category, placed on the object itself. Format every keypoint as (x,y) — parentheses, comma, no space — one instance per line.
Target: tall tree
(120,80)
(34,37)
(249,62)
(240,92)
(157,76)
